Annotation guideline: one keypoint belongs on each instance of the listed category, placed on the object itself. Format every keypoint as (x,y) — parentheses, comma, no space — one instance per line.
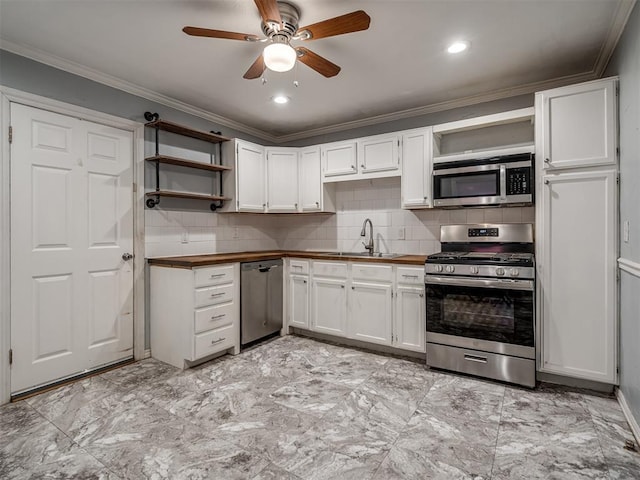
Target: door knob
(126,257)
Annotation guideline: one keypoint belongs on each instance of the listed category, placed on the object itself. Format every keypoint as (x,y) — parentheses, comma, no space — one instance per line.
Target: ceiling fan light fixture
(458,46)
(279,57)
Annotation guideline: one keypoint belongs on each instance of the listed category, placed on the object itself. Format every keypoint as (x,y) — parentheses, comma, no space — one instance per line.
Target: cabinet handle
(353,288)
(547,161)
(219,294)
(317,204)
(421,295)
(304,281)
(213,342)
(475,358)
(410,276)
(296,266)
(363,167)
(424,198)
(215,317)
(341,286)
(296,205)
(546,182)
(217,275)
(353,167)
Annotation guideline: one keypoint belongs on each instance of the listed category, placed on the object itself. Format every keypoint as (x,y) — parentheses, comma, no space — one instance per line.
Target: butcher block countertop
(191,261)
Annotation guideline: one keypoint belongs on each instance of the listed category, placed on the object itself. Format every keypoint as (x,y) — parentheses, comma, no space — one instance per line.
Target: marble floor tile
(295,408)
(310,395)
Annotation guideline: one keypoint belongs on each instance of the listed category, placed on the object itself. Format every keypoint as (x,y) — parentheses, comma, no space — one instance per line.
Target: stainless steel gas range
(480,302)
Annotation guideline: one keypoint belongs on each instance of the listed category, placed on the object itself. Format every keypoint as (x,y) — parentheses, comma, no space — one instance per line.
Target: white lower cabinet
(298,294)
(373,303)
(370,312)
(194,313)
(409,322)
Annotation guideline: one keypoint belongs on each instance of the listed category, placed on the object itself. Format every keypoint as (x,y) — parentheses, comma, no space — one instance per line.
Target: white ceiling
(399,67)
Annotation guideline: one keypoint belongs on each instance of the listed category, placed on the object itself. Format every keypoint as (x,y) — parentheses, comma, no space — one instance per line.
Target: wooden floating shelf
(193,196)
(187,132)
(187,163)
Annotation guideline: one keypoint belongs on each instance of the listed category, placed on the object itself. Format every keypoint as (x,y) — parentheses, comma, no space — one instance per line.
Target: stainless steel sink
(360,254)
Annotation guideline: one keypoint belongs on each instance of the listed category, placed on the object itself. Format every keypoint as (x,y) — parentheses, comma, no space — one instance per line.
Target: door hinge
(618,179)
(10,356)
(10,134)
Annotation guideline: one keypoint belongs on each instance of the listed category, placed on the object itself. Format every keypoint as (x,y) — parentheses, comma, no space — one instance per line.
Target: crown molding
(442,106)
(118,83)
(620,18)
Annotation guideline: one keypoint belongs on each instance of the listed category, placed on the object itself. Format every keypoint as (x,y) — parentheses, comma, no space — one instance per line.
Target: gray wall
(30,76)
(626,63)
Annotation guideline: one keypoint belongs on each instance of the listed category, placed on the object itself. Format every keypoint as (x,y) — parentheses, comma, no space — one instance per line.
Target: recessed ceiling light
(281,99)
(457,47)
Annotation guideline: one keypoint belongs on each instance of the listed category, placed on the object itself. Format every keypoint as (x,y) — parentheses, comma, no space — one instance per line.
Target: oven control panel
(484,232)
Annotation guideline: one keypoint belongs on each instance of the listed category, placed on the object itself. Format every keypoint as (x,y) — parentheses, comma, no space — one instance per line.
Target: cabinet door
(370,312)
(310,180)
(578,125)
(282,180)
(577,293)
(299,301)
(250,177)
(410,321)
(379,153)
(339,158)
(329,306)
(416,169)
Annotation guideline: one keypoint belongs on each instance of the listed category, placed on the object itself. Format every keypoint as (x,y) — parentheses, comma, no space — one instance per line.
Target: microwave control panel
(519,181)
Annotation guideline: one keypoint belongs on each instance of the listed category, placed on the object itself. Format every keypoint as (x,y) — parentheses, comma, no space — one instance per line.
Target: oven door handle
(505,284)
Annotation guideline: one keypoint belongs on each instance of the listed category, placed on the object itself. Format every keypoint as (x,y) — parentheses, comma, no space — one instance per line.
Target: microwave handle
(503,182)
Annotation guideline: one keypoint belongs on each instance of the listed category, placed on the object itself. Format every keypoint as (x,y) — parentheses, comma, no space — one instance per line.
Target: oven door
(471,185)
(489,314)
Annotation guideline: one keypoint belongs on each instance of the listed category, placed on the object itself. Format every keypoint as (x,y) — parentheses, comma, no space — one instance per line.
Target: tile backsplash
(395,230)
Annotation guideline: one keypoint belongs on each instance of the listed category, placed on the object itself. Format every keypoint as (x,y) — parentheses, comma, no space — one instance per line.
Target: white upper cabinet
(416,169)
(282,180)
(379,154)
(310,179)
(577,126)
(247,186)
(339,158)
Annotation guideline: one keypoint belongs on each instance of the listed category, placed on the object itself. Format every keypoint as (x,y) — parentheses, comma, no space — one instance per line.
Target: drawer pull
(219,294)
(215,317)
(475,358)
(409,276)
(213,342)
(217,275)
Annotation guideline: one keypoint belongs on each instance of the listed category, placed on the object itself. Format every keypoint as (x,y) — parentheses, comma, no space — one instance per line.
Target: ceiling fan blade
(318,63)
(269,11)
(350,22)
(255,70)
(206,32)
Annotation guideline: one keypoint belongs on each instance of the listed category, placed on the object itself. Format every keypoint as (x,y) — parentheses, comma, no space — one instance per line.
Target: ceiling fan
(280,26)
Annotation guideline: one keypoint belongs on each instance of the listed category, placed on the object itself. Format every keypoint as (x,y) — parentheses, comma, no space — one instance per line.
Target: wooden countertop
(190,261)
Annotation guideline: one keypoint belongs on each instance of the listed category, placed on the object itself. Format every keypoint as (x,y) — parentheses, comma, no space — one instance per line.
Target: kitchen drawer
(213,341)
(380,273)
(213,275)
(330,269)
(300,267)
(214,295)
(214,317)
(410,275)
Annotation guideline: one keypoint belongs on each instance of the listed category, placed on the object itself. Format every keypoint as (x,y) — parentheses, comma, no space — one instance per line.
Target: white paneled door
(71,233)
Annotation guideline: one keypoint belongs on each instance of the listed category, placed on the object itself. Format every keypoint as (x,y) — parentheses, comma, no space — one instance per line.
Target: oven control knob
(450,268)
(514,272)
(438,268)
(499,271)
(474,270)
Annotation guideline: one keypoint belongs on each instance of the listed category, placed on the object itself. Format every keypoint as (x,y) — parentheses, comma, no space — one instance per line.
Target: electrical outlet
(236,232)
(185,237)
(401,233)
(625,231)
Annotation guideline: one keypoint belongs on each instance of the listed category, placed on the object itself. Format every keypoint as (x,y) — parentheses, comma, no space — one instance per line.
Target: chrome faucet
(369,245)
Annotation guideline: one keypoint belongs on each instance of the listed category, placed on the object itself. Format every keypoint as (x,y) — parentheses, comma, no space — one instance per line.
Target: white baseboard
(635,428)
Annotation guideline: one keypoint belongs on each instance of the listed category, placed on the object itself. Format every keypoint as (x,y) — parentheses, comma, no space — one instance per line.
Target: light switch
(185,237)
(401,233)
(625,231)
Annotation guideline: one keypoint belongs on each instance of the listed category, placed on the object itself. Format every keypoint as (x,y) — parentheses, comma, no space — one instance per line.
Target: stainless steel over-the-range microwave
(483,182)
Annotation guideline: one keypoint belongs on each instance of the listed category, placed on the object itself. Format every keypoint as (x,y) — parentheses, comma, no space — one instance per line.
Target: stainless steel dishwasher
(260,299)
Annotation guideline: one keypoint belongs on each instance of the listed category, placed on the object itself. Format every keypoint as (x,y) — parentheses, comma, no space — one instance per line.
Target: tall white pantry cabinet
(577,230)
